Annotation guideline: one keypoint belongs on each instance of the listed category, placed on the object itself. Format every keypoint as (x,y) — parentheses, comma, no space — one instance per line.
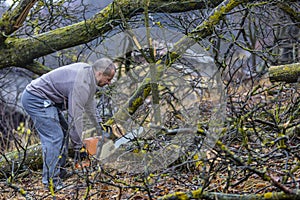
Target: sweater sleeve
(77,101)
(81,94)
(91,111)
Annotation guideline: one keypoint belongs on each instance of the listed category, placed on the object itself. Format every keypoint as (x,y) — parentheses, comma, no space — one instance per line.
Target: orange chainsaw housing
(91,147)
(91,144)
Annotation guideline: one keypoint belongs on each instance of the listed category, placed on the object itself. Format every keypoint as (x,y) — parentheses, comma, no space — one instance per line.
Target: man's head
(104,70)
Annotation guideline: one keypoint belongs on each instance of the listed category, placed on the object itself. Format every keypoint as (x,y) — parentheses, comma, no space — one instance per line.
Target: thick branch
(19,160)
(287,73)
(37,68)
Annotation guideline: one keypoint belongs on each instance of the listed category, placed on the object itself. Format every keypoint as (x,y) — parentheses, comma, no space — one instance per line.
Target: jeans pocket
(51,112)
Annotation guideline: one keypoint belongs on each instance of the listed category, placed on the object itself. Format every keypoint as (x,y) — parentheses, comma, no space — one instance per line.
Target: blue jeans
(53,131)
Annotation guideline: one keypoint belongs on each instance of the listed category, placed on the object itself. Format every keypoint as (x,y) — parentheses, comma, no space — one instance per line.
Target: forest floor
(260,155)
(110,184)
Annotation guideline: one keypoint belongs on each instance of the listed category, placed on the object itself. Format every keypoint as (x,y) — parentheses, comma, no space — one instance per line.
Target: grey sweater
(74,87)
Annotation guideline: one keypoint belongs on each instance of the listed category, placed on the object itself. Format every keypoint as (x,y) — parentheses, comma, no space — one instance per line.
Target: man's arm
(75,116)
(91,111)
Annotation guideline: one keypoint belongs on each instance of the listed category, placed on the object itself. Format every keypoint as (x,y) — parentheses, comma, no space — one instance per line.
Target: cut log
(288,73)
(15,162)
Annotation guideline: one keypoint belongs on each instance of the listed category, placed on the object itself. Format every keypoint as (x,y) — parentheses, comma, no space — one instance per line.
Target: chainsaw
(106,144)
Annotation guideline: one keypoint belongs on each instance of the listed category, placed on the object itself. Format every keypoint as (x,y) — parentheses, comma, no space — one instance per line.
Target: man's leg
(63,161)
(46,121)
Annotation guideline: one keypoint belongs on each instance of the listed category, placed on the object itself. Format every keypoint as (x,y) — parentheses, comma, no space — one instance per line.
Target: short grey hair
(105,65)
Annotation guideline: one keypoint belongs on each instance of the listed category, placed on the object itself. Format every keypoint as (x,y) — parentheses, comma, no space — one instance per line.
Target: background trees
(258,150)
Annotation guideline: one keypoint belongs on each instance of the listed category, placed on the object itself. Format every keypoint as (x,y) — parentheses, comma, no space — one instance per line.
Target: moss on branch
(288,73)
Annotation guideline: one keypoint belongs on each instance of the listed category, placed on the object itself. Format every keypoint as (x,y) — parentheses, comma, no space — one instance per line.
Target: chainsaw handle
(106,128)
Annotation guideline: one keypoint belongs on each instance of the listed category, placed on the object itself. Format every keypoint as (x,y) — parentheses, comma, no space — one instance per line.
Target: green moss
(197,193)
(268,195)
(22,191)
(146,91)
(134,105)
(221,145)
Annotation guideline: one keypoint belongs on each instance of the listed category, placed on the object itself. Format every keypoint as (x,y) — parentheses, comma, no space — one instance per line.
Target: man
(70,88)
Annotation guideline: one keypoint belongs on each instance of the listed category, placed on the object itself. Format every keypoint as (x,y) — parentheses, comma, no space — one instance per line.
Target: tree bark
(288,73)
(21,52)
(13,20)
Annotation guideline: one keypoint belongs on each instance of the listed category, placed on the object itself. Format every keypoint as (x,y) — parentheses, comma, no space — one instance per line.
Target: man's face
(103,80)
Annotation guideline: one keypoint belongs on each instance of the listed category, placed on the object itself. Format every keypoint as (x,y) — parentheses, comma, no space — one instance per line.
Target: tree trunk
(288,73)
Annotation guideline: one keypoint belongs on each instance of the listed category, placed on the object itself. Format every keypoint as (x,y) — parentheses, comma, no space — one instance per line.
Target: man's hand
(106,131)
(106,128)
(81,158)
(112,132)
(81,154)
(118,130)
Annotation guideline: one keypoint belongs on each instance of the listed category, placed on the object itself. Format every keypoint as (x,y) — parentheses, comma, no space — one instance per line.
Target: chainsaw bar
(108,147)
